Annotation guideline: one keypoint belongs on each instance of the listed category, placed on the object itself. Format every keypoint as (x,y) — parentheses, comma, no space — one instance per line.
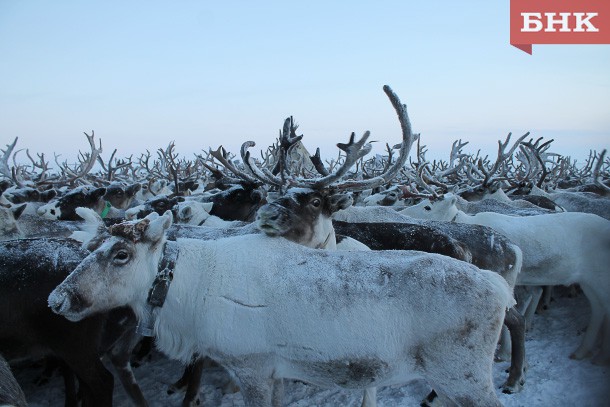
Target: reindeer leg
(69,384)
(193,382)
(278,393)
(257,391)
(120,358)
(370,397)
(516,374)
(603,357)
(504,350)
(585,349)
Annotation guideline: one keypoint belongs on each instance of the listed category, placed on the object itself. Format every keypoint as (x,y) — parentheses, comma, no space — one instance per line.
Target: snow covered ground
(552,378)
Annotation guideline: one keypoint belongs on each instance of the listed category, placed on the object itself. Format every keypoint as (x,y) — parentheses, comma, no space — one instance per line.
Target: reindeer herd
(354,273)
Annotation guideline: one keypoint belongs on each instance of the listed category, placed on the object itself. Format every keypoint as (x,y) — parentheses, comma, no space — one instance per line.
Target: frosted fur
(558,249)
(398,315)
(578,201)
(198,213)
(371,214)
(9,226)
(154,188)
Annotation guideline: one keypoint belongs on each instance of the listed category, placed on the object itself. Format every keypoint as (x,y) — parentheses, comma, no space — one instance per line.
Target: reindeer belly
(348,373)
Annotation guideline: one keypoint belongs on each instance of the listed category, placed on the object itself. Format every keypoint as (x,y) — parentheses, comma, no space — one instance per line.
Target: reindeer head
(9,228)
(443,208)
(303,215)
(120,196)
(64,208)
(158,204)
(118,272)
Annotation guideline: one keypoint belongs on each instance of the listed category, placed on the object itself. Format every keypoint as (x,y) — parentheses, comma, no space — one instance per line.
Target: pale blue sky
(201,73)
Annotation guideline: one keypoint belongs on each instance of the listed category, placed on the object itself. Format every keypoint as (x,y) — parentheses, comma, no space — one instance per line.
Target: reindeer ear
(90,216)
(46,196)
(186,212)
(18,210)
(340,201)
(157,227)
(98,193)
(152,216)
(207,206)
(133,189)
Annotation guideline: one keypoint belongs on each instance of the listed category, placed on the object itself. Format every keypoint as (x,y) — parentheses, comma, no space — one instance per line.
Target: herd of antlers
(280,167)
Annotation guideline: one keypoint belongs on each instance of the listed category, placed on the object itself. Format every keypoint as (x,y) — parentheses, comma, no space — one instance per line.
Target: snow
(552,378)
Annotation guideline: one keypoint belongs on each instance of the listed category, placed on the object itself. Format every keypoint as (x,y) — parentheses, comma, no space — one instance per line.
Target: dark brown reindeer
(29,270)
(10,392)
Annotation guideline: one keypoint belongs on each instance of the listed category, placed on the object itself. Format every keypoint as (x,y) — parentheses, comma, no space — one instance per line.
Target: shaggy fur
(372,318)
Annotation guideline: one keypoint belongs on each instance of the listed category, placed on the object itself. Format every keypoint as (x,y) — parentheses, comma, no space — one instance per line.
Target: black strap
(165,275)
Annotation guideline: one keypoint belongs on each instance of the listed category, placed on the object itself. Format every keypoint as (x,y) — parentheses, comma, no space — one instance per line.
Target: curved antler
(408,138)
(223,157)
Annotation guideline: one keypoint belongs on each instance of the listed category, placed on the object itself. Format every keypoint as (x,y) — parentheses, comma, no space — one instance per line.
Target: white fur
(279,310)
(156,187)
(558,249)
(9,226)
(198,213)
(49,211)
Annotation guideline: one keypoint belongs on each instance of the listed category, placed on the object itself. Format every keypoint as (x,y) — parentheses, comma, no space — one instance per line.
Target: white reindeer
(280,310)
(558,249)
(9,225)
(198,213)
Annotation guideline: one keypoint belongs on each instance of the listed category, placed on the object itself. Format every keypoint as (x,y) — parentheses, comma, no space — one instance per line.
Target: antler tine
(537,152)
(215,172)
(287,140)
(4,169)
(354,150)
(502,156)
(420,181)
(408,138)
(222,157)
(597,172)
(316,160)
(92,159)
(456,151)
(261,175)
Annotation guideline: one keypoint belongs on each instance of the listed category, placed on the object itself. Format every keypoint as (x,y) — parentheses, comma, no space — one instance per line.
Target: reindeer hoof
(508,388)
(501,358)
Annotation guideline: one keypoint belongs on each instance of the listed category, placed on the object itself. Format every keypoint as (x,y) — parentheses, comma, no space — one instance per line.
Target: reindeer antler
(502,156)
(222,157)
(408,138)
(4,168)
(538,150)
(597,170)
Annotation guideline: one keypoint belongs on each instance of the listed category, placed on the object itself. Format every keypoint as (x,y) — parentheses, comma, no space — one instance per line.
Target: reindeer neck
(461,217)
(178,313)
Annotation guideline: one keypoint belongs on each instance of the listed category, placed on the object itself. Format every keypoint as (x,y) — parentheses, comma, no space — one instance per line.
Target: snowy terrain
(552,378)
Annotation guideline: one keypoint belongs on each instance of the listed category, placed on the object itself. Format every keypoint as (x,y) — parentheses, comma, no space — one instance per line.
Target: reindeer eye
(316,202)
(428,207)
(121,257)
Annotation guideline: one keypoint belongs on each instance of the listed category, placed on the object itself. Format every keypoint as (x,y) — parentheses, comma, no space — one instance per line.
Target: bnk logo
(559,22)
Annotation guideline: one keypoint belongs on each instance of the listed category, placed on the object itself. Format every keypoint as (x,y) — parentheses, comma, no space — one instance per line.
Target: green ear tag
(106,210)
